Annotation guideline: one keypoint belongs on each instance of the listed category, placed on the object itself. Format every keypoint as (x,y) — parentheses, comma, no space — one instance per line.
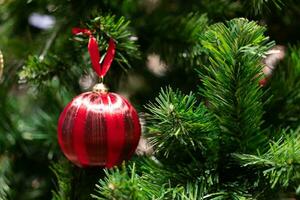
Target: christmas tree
(216,85)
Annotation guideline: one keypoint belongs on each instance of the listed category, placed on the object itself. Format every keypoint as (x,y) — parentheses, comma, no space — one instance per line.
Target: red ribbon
(100,68)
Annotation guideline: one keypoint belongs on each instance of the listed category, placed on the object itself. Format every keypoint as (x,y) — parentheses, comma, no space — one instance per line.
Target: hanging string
(100,68)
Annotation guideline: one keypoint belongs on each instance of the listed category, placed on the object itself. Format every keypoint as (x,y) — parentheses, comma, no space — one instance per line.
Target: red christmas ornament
(98,128)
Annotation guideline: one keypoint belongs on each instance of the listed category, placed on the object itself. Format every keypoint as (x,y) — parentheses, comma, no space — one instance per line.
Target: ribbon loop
(94,55)
(108,57)
(100,69)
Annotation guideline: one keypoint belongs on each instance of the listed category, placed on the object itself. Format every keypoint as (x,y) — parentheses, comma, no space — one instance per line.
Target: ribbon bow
(100,68)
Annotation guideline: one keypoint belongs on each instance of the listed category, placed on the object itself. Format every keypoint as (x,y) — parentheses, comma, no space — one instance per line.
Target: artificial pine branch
(193,191)
(177,122)
(151,180)
(5,173)
(62,171)
(40,72)
(258,6)
(162,173)
(121,184)
(230,83)
(280,164)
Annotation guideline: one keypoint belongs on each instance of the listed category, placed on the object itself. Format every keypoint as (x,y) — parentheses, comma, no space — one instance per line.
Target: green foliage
(51,67)
(258,6)
(5,173)
(62,171)
(230,83)
(178,121)
(121,184)
(284,107)
(8,132)
(41,125)
(280,164)
(38,127)
(181,47)
(193,192)
(126,183)
(162,173)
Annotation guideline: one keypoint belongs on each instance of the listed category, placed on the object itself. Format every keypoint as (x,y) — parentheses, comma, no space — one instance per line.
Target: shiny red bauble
(98,129)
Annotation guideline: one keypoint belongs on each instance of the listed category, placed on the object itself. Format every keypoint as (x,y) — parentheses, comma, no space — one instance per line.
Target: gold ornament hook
(1,64)
(101,79)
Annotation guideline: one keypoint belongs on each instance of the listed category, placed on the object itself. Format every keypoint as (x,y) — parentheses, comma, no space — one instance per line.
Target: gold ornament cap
(1,64)
(100,88)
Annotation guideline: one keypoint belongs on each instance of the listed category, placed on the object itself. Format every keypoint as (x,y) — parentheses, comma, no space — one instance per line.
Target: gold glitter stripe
(1,64)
